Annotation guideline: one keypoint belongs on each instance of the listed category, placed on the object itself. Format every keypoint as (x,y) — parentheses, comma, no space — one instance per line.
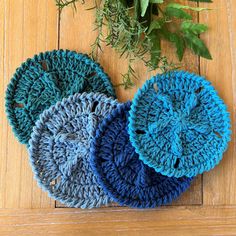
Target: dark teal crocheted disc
(47,78)
(179,125)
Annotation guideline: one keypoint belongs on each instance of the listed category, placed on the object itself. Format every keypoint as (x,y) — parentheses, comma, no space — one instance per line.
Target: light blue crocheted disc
(60,149)
(179,125)
(46,78)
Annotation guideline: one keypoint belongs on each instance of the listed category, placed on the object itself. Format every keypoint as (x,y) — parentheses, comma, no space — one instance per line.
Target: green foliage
(145,3)
(64,3)
(135,29)
(197,45)
(178,13)
(190,27)
(180,6)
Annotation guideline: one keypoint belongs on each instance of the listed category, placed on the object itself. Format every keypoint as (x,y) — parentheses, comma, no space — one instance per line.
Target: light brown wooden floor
(208,208)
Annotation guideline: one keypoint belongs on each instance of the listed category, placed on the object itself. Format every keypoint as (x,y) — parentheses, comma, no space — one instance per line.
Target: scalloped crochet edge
(9,94)
(85,203)
(200,168)
(172,195)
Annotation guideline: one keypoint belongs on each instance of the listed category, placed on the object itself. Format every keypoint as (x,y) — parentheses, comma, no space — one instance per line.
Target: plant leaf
(179,44)
(180,6)
(136,9)
(156,48)
(176,39)
(144,6)
(178,13)
(156,1)
(146,19)
(155,24)
(197,45)
(194,28)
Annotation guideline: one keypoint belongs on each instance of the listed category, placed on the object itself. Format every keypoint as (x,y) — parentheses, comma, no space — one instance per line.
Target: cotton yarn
(87,150)
(179,125)
(125,178)
(59,149)
(47,78)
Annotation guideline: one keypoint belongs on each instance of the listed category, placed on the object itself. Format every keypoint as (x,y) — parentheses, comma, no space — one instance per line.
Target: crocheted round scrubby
(124,177)
(179,125)
(47,78)
(59,149)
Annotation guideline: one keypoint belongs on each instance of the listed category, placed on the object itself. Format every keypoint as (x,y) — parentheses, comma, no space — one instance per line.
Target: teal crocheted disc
(47,78)
(60,146)
(179,125)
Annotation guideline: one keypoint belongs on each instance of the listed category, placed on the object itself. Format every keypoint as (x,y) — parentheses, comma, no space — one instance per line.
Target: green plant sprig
(135,29)
(64,3)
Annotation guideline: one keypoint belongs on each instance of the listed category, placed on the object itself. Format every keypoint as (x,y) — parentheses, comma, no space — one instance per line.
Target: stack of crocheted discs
(122,175)
(86,149)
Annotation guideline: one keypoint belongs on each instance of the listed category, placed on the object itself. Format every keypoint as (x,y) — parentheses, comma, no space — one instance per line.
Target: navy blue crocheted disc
(47,78)
(60,149)
(179,125)
(122,175)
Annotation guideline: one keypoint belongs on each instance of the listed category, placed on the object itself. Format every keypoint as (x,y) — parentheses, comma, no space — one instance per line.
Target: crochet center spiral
(47,78)
(60,149)
(179,125)
(122,175)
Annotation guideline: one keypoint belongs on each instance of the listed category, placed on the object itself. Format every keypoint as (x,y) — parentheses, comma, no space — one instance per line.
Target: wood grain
(220,183)
(2,114)
(77,28)
(28,28)
(193,196)
(174,221)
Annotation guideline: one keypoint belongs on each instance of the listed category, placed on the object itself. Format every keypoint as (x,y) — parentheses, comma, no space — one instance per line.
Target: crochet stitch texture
(60,149)
(179,125)
(125,178)
(47,78)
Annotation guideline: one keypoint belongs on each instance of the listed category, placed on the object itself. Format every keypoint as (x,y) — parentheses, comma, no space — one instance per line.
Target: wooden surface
(208,208)
(182,221)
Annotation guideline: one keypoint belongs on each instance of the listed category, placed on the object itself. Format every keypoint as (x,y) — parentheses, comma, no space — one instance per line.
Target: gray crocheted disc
(60,149)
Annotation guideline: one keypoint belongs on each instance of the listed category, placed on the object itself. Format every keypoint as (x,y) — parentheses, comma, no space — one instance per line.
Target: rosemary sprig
(135,29)
(64,3)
